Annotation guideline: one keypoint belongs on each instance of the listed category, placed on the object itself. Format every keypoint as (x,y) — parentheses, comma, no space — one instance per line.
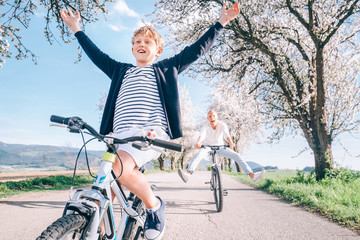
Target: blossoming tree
(16,15)
(300,58)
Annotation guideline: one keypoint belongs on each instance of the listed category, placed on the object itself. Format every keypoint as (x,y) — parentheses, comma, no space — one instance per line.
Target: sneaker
(155,223)
(183,175)
(258,176)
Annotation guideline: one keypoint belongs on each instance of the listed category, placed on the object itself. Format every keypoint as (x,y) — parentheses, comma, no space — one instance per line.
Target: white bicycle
(88,210)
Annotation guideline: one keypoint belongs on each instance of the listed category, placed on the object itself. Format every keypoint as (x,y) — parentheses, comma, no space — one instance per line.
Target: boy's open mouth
(141,51)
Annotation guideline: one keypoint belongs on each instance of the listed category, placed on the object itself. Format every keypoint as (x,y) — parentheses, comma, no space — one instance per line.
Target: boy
(144,97)
(214,134)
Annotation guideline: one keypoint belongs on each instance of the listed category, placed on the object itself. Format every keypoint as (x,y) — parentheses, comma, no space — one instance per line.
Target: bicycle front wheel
(217,187)
(134,229)
(67,227)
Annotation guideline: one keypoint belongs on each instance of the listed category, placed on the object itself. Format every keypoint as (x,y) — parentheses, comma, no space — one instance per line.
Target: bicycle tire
(217,187)
(133,228)
(67,227)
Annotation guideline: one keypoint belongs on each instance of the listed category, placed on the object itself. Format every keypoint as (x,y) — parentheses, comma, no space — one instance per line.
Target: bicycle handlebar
(215,147)
(58,119)
(74,124)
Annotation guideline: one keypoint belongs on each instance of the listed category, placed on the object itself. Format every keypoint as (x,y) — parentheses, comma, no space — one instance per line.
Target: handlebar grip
(58,119)
(168,145)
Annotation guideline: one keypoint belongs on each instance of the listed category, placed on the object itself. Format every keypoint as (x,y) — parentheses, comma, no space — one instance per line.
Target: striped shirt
(138,103)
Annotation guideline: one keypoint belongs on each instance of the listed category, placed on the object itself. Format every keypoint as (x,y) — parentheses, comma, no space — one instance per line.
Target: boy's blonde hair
(150,32)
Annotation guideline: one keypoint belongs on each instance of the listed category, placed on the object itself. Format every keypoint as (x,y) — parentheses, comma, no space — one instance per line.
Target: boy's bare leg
(134,180)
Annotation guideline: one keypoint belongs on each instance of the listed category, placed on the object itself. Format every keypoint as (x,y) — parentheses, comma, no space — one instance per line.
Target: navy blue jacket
(166,73)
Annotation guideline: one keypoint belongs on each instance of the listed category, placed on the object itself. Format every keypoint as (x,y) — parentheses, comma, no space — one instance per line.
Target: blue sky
(30,94)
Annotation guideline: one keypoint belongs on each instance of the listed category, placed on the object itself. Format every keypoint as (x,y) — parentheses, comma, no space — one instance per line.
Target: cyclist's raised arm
(228,14)
(71,20)
(194,51)
(99,58)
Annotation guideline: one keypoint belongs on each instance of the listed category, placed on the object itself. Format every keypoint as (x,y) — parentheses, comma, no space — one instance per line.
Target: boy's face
(145,50)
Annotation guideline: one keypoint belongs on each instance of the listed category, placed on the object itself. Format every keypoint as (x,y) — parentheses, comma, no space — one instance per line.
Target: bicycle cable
(108,146)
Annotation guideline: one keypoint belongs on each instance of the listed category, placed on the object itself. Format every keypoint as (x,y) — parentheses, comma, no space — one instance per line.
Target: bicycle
(87,210)
(216,180)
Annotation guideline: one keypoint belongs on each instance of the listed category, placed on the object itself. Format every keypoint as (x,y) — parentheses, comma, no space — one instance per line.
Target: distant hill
(43,156)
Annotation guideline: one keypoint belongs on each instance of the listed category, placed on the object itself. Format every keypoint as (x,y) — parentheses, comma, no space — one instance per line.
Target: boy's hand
(229,14)
(71,20)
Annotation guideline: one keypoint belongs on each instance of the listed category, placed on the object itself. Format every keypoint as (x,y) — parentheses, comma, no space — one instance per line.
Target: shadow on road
(190,206)
(35,204)
(176,188)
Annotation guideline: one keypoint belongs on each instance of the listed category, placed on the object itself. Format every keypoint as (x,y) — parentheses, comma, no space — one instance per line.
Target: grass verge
(337,197)
(56,182)
(60,182)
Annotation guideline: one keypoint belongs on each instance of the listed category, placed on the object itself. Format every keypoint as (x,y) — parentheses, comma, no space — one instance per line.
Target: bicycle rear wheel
(217,187)
(67,227)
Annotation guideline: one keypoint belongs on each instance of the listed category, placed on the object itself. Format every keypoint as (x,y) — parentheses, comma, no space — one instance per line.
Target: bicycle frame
(100,193)
(213,157)
(215,181)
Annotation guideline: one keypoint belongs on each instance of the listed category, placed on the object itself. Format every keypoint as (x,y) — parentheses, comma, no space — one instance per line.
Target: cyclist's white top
(138,103)
(217,136)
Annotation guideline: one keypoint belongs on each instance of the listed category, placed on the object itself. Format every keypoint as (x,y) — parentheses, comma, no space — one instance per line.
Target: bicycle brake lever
(73,129)
(57,125)
(140,146)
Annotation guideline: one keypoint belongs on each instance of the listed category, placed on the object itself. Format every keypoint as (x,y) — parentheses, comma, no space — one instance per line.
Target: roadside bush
(343,174)
(51,182)
(3,187)
(303,178)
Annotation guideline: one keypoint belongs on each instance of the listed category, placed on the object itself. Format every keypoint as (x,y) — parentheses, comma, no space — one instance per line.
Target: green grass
(59,182)
(336,197)
(11,188)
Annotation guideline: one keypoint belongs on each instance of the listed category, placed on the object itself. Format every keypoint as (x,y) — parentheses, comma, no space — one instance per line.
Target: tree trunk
(229,164)
(161,162)
(172,158)
(181,163)
(238,168)
(323,161)
(322,139)
(320,143)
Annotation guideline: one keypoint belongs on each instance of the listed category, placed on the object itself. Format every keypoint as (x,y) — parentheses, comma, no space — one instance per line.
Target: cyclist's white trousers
(225,152)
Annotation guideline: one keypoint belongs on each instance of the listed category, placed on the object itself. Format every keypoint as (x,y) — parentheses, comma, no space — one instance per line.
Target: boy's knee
(124,165)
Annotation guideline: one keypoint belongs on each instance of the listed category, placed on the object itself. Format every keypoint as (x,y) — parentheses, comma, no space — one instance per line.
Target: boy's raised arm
(71,20)
(228,14)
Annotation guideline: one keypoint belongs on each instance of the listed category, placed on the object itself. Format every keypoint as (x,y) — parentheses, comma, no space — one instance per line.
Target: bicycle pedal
(225,193)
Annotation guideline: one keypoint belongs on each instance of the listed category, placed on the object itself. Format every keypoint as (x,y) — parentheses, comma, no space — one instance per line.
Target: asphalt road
(190,213)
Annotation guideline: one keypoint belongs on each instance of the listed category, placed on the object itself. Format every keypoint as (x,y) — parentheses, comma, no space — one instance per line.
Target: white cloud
(122,8)
(116,28)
